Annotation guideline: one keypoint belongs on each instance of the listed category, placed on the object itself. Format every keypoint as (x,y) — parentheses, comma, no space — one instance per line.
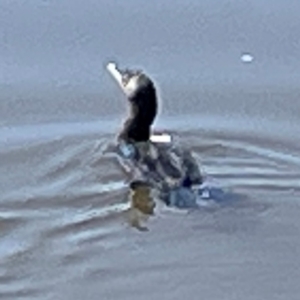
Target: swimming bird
(154,162)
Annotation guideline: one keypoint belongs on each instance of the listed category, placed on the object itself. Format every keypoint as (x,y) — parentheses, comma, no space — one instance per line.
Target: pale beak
(116,74)
(127,79)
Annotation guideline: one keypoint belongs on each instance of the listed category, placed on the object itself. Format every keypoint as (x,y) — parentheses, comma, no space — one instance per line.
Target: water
(64,229)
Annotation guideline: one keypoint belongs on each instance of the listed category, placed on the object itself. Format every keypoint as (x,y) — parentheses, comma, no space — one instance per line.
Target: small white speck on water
(247,58)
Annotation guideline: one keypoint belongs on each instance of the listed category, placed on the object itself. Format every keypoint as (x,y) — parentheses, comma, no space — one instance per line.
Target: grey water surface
(63,227)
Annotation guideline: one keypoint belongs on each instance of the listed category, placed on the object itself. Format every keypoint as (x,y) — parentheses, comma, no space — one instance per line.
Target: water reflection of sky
(66,41)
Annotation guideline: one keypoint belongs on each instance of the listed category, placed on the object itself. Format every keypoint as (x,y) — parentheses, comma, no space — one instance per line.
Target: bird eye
(126,77)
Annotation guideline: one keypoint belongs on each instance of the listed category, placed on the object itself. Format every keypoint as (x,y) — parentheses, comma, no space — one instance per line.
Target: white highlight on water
(161,138)
(247,58)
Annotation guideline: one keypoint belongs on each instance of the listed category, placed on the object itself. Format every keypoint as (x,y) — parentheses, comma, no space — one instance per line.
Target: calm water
(64,230)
